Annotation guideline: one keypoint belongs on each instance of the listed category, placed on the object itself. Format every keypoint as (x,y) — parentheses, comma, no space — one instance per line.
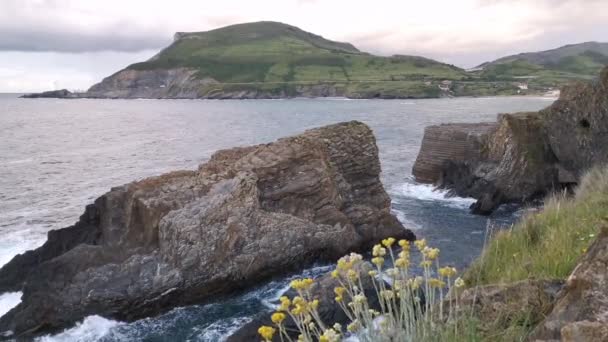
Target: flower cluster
(409,305)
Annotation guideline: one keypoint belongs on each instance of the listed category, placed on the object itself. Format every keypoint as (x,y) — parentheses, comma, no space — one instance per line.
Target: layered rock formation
(186,236)
(522,156)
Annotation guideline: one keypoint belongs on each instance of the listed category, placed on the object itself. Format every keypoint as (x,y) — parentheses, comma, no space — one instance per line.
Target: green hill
(556,66)
(275,52)
(275,60)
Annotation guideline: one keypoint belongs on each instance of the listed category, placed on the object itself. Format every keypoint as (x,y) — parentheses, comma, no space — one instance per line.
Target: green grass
(274,52)
(548,244)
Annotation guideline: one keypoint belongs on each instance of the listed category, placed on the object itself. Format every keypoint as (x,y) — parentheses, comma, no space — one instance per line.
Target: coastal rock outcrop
(523,156)
(580,312)
(187,236)
(61,94)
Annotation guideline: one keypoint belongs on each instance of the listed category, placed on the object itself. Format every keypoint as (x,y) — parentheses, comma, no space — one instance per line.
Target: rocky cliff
(522,156)
(187,236)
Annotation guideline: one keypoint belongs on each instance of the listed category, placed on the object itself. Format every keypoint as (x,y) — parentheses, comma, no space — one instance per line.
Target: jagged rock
(523,156)
(497,306)
(188,236)
(580,312)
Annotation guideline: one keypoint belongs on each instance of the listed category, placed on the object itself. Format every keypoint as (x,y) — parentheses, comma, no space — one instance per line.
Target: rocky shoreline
(522,156)
(188,236)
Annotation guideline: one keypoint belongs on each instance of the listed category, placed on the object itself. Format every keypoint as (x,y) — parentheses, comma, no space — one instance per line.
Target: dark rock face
(522,156)
(187,236)
(62,94)
(580,312)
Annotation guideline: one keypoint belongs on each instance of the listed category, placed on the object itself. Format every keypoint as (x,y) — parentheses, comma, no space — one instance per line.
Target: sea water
(56,156)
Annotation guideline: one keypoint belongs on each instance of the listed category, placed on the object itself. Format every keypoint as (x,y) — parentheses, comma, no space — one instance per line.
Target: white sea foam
(90,329)
(8,301)
(409,224)
(221,330)
(425,192)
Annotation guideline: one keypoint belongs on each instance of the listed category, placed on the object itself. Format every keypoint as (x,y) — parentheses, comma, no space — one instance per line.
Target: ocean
(56,156)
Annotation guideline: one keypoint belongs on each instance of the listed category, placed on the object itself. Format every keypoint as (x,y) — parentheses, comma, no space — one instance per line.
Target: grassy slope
(544,245)
(547,244)
(551,67)
(277,53)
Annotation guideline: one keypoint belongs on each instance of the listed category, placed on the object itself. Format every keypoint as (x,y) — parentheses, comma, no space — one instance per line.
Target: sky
(54,44)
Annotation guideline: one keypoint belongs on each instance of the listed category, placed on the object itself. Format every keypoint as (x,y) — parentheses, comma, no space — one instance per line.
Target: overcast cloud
(74,43)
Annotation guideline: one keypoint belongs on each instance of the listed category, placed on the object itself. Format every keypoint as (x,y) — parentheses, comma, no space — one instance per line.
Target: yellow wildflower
(352,275)
(404,244)
(302,284)
(392,272)
(299,301)
(402,263)
(416,282)
(447,272)
(387,294)
(298,309)
(388,242)
(314,304)
(329,335)
(459,282)
(339,290)
(335,273)
(426,263)
(430,253)
(372,273)
(378,261)
(266,332)
(378,251)
(277,317)
(359,299)
(285,303)
(437,283)
(420,244)
(343,264)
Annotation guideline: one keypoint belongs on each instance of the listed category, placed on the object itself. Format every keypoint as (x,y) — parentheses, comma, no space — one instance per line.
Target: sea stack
(523,156)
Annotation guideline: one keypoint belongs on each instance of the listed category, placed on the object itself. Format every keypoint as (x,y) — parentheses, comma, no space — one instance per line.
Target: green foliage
(274,52)
(547,244)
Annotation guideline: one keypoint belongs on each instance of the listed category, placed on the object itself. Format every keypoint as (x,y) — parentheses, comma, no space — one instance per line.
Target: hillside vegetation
(551,67)
(275,60)
(548,244)
(275,52)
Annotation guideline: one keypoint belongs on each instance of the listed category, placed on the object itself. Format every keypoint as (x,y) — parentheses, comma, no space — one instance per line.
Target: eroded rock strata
(183,237)
(522,156)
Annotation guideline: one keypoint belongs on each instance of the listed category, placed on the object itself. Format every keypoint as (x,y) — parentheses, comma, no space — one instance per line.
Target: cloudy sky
(51,44)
